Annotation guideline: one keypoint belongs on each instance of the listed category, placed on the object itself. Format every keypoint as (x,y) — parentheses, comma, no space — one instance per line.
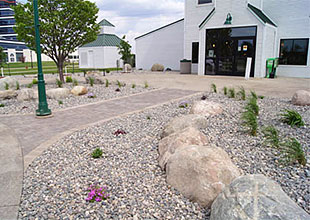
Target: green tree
(2,57)
(64,26)
(124,49)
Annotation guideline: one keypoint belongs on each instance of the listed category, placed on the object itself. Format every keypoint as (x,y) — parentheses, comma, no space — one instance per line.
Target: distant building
(103,52)
(219,35)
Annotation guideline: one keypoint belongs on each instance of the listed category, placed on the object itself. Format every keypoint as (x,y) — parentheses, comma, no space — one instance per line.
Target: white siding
(164,46)
(111,56)
(107,30)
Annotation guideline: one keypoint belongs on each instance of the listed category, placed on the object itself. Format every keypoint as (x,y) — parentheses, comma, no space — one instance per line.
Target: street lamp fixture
(43,109)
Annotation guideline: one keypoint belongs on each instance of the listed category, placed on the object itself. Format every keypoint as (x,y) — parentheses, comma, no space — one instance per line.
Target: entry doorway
(227,50)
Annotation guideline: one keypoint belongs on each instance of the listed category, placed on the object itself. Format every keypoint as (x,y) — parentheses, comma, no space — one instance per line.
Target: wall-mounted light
(228,19)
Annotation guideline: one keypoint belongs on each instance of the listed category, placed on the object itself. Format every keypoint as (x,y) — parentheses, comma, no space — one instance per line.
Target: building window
(204,2)
(195,52)
(294,51)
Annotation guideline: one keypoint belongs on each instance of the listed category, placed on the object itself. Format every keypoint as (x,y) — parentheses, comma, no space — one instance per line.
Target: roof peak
(105,22)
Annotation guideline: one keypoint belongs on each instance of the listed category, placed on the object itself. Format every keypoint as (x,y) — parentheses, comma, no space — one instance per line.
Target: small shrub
(69,79)
(34,81)
(119,132)
(183,104)
(97,153)
(213,88)
(60,102)
(107,83)
(6,86)
(292,151)
(97,194)
(242,93)
(91,95)
(249,120)
(17,85)
(231,93)
(254,95)
(75,82)
(252,106)
(133,86)
(292,118)
(2,105)
(30,85)
(119,84)
(59,83)
(271,136)
(204,97)
(225,90)
(91,81)
(261,97)
(146,85)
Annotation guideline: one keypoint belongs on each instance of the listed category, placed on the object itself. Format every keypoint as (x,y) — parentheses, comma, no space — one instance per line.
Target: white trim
(8,17)
(205,4)
(2,9)
(12,42)
(261,19)
(232,26)
(206,21)
(7,26)
(7,35)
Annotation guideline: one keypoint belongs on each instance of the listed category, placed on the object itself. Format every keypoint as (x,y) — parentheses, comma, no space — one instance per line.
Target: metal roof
(261,15)
(105,40)
(105,22)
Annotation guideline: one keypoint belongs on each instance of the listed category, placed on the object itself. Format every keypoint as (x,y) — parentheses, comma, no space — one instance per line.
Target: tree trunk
(60,67)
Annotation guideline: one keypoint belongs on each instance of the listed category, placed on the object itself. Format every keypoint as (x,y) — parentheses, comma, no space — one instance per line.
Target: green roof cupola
(106,27)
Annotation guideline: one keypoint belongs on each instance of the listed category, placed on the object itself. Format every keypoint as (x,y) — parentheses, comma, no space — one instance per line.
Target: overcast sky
(136,17)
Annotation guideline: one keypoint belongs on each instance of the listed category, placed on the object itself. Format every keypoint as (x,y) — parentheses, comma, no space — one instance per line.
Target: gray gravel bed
(55,185)
(13,106)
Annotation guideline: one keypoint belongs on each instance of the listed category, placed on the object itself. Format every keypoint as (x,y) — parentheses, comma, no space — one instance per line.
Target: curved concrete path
(36,135)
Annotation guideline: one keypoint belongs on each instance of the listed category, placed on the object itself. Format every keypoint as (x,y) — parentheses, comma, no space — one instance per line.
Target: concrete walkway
(36,135)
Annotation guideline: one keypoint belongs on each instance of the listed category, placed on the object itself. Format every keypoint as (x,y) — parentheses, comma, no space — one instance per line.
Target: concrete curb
(11,173)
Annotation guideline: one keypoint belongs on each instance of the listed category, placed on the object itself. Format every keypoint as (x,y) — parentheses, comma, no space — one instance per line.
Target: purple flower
(98,199)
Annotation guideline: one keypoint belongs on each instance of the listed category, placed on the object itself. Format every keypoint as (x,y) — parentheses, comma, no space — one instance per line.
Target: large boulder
(79,90)
(255,197)
(170,144)
(200,173)
(179,123)
(206,108)
(96,76)
(59,93)
(10,81)
(7,94)
(158,67)
(301,97)
(127,68)
(27,95)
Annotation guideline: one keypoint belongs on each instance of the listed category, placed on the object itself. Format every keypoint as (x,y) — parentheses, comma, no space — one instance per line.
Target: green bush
(213,88)
(6,86)
(225,90)
(97,153)
(271,136)
(231,93)
(242,93)
(254,95)
(133,86)
(146,85)
(292,118)
(2,105)
(91,81)
(75,82)
(119,84)
(17,85)
(30,85)
(59,83)
(249,120)
(60,102)
(69,79)
(252,106)
(34,81)
(292,151)
(107,83)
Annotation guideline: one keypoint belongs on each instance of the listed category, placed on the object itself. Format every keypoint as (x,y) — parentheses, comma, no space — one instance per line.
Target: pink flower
(98,199)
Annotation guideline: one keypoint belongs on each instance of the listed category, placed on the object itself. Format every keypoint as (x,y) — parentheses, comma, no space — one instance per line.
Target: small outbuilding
(103,52)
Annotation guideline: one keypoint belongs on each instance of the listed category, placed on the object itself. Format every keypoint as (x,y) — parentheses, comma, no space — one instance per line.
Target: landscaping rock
(98,78)
(158,67)
(206,108)
(200,173)
(170,144)
(180,123)
(255,197)
(301,97)
(27,95)
(7,94)
(79,90)
(127,68)
(9,80)
(58,93)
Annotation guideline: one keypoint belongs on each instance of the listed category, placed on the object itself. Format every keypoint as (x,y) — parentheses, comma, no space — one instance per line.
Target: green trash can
(272,64)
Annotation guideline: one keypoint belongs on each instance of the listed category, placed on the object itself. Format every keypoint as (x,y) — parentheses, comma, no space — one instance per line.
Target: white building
(219,36)
(103,52)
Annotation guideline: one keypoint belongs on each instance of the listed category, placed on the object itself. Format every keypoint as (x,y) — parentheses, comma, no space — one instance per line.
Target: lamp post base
(43,112)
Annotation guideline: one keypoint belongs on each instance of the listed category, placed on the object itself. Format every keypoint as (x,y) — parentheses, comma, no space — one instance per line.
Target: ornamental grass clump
(213,88)
(97,153)
(2,105)
(252,106)
(69,79)
(292,118)
(249,120)
(30,85)
(271,136)
(60,102)
(75,82)
(91,81)
(146,85)
(242,93)
(59,83)
(17,85)
(292,151)
(225,90)
(119,84)
(6,86)
(133,86)
(231,93)
(254,95)
(34,81)
(107,83)
(97,194)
